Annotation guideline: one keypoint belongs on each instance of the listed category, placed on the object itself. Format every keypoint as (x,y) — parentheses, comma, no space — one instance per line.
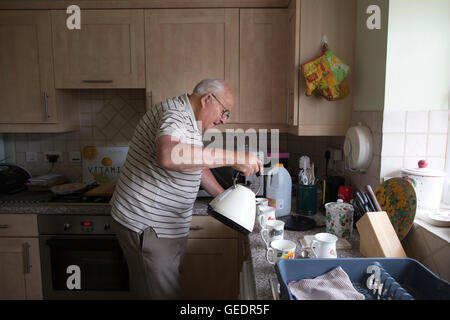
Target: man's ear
(204,99)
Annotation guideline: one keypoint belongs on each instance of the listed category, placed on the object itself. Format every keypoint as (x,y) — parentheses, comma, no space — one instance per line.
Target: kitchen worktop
(200,207)
(263,271)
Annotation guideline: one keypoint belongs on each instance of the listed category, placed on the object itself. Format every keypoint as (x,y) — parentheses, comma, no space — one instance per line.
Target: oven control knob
(66,226)
(107,226)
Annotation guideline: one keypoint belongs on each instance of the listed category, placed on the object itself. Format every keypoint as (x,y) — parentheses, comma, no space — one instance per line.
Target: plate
(397,197)
(68,188)
(438,219)
(297,223)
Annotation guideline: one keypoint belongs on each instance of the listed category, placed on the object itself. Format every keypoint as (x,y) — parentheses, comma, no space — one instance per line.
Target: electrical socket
(59,155)
(75,156)
(31,156)
(336,164)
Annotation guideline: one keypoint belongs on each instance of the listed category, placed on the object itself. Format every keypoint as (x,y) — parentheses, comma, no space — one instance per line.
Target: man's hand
(247,163)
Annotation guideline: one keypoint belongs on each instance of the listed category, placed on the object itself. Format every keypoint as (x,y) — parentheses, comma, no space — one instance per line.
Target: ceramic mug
(280,249)
(274,230)
(266,213)
(324,245)
(261,202)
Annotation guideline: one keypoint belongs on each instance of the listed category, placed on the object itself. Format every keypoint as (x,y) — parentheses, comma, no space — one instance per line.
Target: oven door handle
(26,248)
(108,242)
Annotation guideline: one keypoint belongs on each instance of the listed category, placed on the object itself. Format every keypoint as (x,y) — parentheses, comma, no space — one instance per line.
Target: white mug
(266,213)
(280,249)
(261,202)
(324,245)
(274,230)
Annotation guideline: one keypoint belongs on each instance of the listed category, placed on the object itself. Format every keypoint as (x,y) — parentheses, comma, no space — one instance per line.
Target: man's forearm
(184,157)
(210,184)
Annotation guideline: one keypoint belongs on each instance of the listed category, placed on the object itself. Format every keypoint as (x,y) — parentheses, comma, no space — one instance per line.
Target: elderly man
(154,197)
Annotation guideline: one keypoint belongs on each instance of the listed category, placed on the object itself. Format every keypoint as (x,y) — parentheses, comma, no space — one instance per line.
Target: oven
(81,258)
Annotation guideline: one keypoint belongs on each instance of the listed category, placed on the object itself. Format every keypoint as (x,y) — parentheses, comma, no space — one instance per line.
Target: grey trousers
(154,264)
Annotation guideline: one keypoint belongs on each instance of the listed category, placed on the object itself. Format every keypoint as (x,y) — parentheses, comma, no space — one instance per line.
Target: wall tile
(390,166)
(438,122)
(436,163)
(393,144)
(394,122)
(34,146)
(416,145)
(437,145)
(417,121)
(411,162)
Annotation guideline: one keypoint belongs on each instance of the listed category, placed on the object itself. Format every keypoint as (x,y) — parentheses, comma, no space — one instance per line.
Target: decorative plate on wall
(397,197)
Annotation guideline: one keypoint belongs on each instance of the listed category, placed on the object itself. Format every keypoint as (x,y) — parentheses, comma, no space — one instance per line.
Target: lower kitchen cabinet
(20,271)
(212,261)
(210,269)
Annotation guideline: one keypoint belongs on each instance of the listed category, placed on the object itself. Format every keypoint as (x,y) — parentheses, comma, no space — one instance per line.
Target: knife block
(378,237)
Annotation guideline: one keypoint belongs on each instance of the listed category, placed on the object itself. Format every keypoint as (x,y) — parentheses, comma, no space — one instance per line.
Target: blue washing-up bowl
(411,275)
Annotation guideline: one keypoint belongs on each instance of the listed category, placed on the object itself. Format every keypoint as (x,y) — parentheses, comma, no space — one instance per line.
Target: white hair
(209,85)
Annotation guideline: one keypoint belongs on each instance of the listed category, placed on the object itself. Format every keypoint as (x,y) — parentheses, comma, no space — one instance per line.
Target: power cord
(52,158)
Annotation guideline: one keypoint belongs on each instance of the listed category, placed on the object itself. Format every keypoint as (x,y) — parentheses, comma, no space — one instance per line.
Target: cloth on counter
(333,285)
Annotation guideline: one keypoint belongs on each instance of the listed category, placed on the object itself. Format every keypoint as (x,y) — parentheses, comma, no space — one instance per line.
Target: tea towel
(325,76)
(333,285)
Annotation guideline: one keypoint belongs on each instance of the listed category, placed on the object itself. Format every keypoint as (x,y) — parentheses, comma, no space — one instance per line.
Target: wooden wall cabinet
(28,99)
(20,270)
(337,20)
(184,46)
(263,66)
(107,52)
(26,68)
(213,260)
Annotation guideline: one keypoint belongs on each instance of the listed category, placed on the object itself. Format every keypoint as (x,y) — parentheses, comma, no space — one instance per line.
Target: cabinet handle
(4,226)
(46,106)
(149,100)
(27,246)
(97,81)
(287,106)
(196,228)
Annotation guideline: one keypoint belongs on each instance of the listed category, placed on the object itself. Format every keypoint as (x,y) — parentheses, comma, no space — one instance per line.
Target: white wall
(418,55)
(370,58)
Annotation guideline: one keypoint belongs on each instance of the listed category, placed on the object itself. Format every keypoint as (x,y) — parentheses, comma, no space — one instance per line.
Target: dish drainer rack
(375,278)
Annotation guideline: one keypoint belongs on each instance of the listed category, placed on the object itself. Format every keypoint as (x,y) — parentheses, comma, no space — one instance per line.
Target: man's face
(216,109)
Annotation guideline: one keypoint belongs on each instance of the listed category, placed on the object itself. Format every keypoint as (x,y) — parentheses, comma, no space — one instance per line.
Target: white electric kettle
(235,207)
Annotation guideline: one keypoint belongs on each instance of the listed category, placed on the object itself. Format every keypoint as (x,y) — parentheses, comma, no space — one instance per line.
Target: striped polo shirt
(148,195)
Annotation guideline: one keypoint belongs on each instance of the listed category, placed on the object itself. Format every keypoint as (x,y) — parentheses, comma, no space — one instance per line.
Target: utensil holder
(306,202)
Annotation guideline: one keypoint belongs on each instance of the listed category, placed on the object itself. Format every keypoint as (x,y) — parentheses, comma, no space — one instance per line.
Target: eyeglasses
(225,112)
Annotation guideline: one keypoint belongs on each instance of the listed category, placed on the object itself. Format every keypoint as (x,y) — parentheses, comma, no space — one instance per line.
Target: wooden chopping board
(397,197)
(104,190)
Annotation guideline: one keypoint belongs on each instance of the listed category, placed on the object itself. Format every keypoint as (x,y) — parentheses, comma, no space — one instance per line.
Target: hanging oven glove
(325,76)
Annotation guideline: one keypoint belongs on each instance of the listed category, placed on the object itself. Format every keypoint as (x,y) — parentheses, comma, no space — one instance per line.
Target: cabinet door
(263,65)
(26,68)
(293,61)
(107,52)
(210,269)
(187,45)
(20,271)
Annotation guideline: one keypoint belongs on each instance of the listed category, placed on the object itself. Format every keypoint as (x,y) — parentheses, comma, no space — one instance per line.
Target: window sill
(429,245)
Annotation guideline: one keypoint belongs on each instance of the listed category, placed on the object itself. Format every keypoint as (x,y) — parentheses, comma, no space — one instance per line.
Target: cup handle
(271,255)
(313,241)
(263,231)
(260,217)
